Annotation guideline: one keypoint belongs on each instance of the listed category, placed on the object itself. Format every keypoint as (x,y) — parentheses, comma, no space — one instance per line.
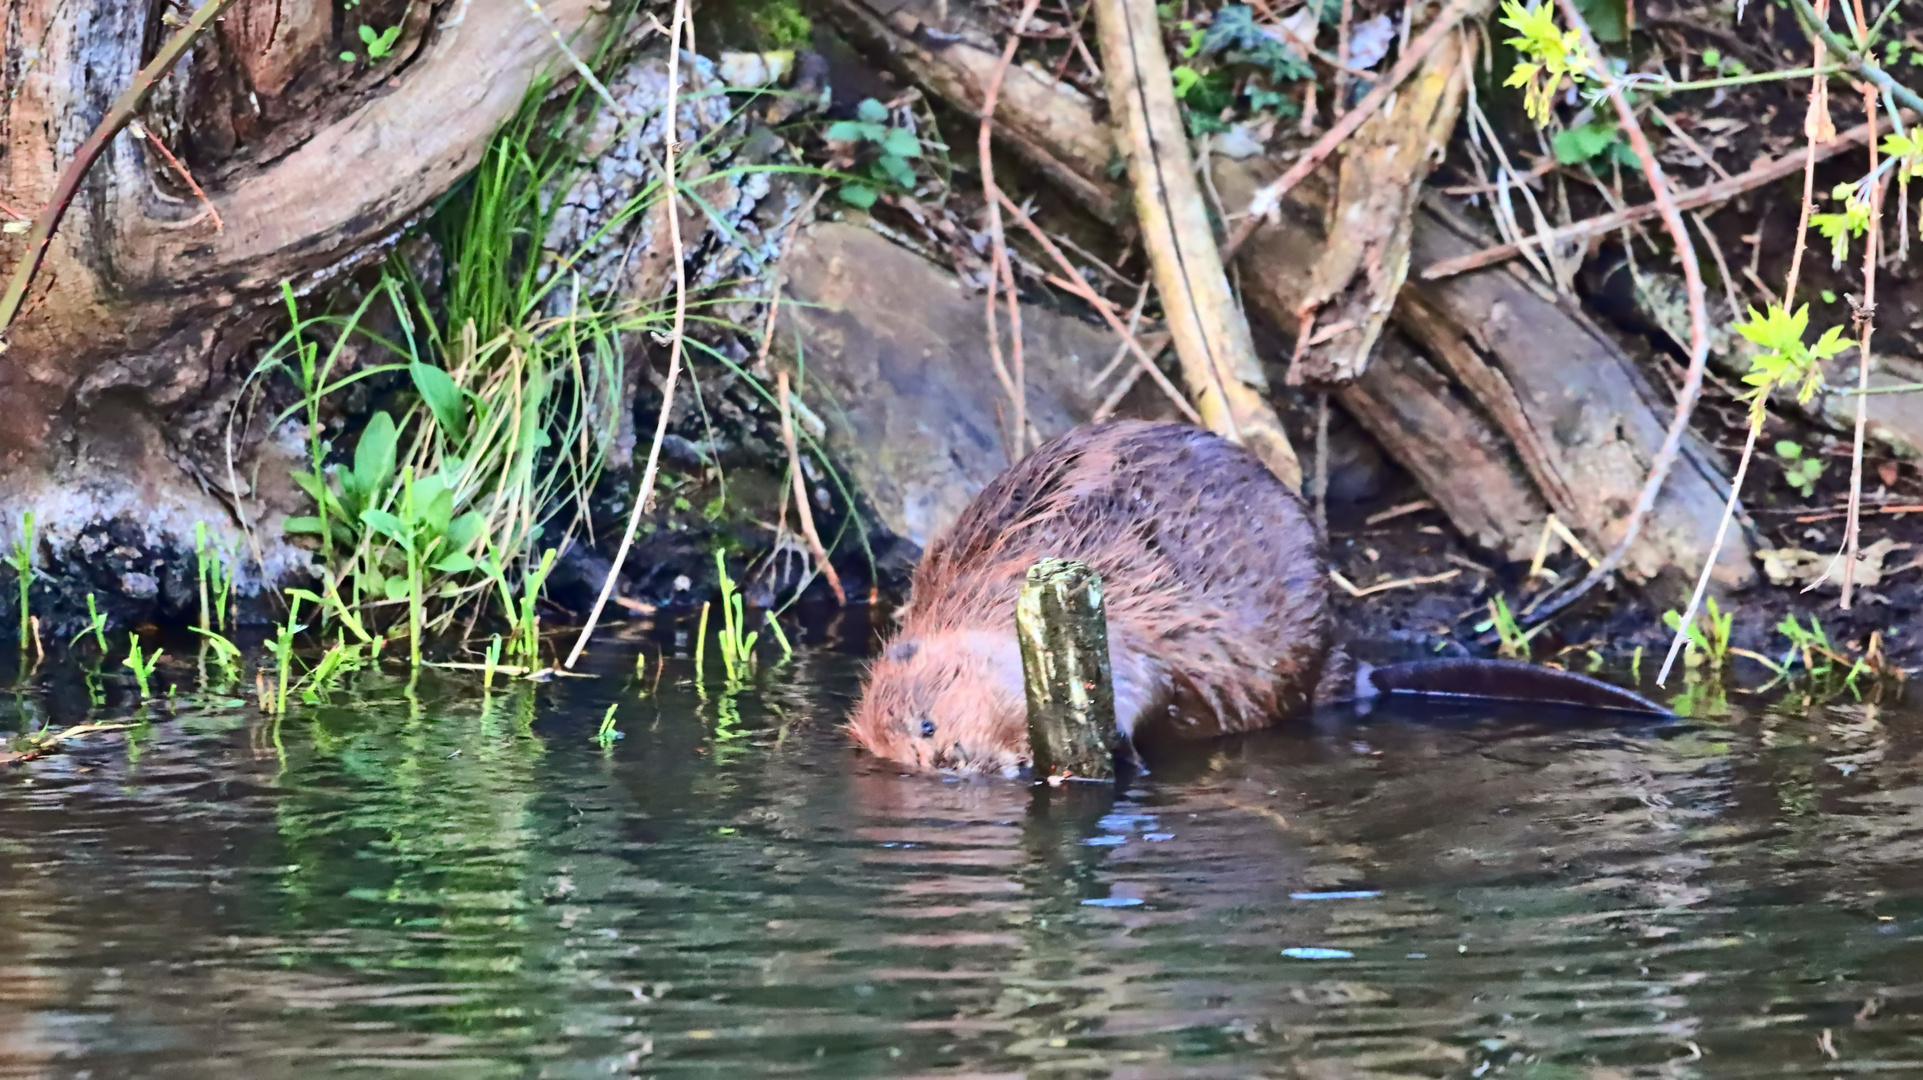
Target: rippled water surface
(433,886)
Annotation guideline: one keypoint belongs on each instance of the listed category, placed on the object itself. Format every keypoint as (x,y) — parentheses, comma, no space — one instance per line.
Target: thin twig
(774,287)
(581,67)
(1866,316)
(803,512)
(1358,592)
(141,131)
(645,495)
(1268,201)
(1858,63)
(118,115)
(1698,328)
(1121,350)
(999,272)
(1815,122)
(1071,281)
(1720,191)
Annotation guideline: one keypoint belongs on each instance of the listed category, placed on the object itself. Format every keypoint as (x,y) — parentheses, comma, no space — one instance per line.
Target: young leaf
(397,588)
(299,525)
(466,529)
(368,36)
(444,399)
(1788,449)
(843,131)
(902,143)
(872,111)
(374,455)
(387,525)
(459,562)
(897,170)
(859,196)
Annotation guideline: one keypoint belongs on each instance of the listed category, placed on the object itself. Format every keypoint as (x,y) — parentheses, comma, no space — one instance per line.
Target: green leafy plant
(1575,145)
(22,562)
(1839,229)
(1514,641)
(379,43)
(428,536)
(1799,472)
(1234,36)
(1708,636)
(1785,360)
(141,665)
(892,148)
(1550,56)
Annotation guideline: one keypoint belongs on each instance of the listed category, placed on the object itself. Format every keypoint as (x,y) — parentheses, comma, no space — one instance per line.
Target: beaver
(1217,595)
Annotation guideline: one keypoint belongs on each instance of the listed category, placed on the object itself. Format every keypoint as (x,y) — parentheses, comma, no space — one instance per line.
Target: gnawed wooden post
(1063,629)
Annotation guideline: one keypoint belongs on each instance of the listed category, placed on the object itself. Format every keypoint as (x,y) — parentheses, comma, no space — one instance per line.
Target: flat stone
(892,352)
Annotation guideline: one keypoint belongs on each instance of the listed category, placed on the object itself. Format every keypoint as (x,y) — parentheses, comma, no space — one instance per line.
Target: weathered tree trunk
(122,368)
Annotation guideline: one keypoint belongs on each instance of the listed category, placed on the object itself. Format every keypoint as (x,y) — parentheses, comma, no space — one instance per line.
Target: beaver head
(950,701)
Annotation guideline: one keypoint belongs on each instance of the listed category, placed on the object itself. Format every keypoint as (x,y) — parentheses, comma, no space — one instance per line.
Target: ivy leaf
(897,170)
(1576,145)
(901,143)
(843,131)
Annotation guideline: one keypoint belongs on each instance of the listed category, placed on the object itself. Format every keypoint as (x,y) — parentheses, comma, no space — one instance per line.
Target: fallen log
(1576,391)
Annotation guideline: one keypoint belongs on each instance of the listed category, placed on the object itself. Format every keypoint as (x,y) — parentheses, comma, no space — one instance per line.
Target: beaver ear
(903,650)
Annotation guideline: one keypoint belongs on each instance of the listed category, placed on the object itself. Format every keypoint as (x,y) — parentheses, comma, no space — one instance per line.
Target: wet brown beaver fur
(1217,595)
(1213,576)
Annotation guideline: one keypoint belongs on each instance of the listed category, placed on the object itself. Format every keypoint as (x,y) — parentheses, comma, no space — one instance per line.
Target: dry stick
(40,237)
(646,494)
(1121,350)
(1268,201)
(141,131)
(1814,123)
(1866,315)
(1720,191)
(803,512)
(999,272)
(1072,282)
(1698,336)
(1209,328)
(774,288)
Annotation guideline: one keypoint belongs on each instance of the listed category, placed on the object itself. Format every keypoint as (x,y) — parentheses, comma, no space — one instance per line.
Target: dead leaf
(1789,566)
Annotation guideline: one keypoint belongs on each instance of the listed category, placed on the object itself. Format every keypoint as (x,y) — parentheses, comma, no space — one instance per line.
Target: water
(429,888)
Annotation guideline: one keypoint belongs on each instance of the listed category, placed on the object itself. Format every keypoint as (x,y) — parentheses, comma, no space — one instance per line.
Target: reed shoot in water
(22,562)
(737,641)
(141,665)
(96,625)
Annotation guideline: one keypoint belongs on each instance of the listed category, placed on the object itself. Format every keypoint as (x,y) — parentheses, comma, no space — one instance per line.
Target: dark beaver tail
(1498,680)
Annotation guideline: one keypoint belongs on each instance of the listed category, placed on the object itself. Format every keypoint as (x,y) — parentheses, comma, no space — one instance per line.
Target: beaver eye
(927,729)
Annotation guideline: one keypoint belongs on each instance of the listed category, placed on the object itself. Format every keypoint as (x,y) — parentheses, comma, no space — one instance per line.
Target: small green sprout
(1801,472)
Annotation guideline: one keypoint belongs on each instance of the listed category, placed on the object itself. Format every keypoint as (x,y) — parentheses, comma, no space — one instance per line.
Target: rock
(894,357)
